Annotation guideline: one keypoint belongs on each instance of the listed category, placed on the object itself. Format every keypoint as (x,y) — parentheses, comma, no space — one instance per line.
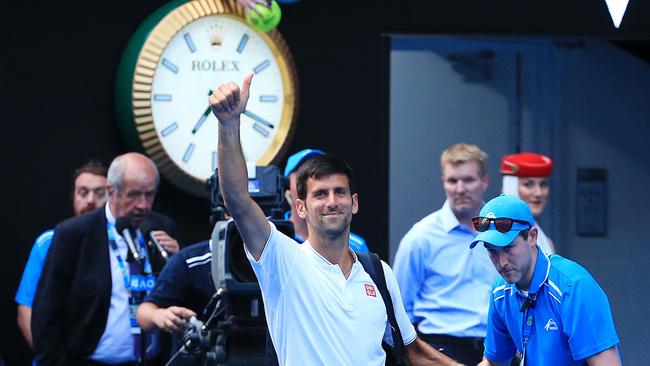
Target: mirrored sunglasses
(502,224)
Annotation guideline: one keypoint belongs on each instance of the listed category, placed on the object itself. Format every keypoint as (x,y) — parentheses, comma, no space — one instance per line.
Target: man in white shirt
(321,306)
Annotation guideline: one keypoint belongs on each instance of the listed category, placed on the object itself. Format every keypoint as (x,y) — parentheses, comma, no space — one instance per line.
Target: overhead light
(617,10)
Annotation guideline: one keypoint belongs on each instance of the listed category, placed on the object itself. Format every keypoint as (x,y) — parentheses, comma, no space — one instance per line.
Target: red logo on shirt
(370,290)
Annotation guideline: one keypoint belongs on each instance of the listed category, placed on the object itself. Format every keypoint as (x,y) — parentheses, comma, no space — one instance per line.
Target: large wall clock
(171,65)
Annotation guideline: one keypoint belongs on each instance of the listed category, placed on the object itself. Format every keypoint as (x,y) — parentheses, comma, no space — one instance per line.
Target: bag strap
(372,265)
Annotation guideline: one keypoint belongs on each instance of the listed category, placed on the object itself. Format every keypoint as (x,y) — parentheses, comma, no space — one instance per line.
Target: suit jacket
(74,293)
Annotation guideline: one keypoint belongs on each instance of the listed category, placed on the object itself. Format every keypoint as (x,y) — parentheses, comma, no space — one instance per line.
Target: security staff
(547,309)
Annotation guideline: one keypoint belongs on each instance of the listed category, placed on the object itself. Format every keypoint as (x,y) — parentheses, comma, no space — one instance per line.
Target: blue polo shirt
(33,269)
(185,280)
(571,318)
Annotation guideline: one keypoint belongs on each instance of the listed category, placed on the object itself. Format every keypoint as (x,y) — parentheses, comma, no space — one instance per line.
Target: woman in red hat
(525,175)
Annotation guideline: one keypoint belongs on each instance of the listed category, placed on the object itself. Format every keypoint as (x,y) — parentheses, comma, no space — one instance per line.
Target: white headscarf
(511,185)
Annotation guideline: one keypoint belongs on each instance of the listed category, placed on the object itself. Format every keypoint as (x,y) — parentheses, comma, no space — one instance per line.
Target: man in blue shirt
(445,288)
(88,193)
(356,243)
(182,291)
(548,310)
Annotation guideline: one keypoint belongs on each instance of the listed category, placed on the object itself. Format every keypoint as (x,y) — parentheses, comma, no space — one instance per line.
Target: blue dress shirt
(445,285)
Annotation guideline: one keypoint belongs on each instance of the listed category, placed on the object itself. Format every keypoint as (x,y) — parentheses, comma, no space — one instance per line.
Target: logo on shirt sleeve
(370,290)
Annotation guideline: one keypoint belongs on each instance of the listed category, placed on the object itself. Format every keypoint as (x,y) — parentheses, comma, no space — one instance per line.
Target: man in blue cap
(356,243)
(547,310)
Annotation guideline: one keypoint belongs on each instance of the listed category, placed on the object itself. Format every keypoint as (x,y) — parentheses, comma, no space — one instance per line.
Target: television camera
(234,330)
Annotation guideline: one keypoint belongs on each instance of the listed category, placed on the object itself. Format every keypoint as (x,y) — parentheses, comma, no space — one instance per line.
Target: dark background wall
(58,68)
(514,17)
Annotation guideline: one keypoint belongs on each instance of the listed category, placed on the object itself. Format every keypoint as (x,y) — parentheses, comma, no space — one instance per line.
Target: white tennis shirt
(316,316)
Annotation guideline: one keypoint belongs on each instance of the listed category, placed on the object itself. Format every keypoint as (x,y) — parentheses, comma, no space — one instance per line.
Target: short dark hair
(524,234)
(94,167)
(319,166)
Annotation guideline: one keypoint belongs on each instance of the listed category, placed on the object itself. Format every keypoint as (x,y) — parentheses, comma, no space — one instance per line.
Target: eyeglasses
(502,224)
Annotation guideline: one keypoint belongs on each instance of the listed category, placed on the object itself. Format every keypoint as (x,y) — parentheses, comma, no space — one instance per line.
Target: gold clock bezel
(146,66)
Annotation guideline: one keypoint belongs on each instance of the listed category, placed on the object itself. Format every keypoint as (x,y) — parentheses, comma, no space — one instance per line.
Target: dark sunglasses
(502,224)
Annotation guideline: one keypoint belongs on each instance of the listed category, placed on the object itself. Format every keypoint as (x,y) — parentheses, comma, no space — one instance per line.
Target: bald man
(84,310)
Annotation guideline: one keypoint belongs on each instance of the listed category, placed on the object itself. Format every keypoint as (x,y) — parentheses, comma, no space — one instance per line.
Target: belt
(471,342)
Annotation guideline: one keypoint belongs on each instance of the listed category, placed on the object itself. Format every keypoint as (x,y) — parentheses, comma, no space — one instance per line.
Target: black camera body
(230,267)
(266,187)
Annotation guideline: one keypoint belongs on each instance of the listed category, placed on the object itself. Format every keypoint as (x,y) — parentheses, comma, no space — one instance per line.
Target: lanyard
(144,273)
(112,236)
(529,320)
(136,285)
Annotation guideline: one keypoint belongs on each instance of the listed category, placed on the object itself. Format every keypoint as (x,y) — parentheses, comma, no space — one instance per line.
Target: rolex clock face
(192,50)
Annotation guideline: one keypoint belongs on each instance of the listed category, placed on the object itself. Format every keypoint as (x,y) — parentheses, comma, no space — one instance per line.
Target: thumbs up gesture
(229,100)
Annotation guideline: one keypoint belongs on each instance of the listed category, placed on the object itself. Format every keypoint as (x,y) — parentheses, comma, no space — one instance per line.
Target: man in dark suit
(84,310)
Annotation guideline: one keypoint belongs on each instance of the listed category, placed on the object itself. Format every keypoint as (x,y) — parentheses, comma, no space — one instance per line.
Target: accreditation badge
(142,283)
(133,311)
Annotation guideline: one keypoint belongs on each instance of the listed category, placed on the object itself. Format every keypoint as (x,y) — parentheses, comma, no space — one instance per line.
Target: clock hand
(258,119)
(203,117)
(201,120)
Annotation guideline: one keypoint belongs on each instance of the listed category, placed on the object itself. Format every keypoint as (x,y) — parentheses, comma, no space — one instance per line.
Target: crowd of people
(474,283)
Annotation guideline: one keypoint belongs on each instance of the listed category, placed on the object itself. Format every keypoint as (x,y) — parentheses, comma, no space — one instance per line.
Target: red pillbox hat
(527,164)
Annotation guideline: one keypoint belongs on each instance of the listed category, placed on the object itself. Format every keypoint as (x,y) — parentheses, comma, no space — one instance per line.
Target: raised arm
(227,103)
(250,4)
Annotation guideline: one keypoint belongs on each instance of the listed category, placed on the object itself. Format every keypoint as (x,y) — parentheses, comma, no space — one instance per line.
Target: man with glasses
(85,305)
(445,288)
(88,193)
(547,310)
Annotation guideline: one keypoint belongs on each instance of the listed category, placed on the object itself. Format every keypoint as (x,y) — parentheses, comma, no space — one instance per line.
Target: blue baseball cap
(504,206)
(296,159)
